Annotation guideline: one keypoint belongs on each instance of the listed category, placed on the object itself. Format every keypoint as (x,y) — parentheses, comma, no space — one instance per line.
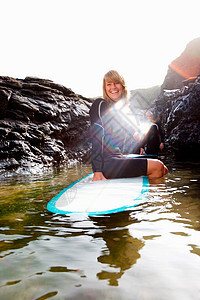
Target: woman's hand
(142,152)
(98,176)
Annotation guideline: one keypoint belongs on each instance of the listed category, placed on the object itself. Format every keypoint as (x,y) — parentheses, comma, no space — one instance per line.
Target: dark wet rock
(42,125)
(179,113)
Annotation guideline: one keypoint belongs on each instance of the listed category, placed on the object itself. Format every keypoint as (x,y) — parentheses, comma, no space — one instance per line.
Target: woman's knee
(156,168)
(165,170)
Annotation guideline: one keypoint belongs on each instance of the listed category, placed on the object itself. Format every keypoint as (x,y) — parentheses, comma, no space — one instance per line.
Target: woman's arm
(97,136)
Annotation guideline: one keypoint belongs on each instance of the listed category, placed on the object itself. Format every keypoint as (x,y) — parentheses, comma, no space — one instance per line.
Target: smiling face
(114,90)
(114,87)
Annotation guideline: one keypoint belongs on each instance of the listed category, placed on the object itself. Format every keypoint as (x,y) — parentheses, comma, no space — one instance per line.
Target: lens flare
(136,120)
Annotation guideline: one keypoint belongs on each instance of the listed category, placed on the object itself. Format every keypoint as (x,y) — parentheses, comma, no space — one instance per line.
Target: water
(151,252)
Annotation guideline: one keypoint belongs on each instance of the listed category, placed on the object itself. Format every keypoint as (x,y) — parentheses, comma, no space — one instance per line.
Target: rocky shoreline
(179,113)
(42,125)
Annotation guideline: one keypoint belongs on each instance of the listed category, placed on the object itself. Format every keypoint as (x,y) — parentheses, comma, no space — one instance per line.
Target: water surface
(150,252)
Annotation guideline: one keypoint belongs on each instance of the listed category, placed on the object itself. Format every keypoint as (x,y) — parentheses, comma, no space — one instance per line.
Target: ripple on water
(149,252)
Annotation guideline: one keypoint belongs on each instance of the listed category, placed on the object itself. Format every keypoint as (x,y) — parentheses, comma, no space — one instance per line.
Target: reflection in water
(121,253)
(149,252)
(121,250)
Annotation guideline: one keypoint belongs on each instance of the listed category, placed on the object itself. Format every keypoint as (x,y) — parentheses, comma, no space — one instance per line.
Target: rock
(42,125)
(178,111)
(5,97)
(185,68)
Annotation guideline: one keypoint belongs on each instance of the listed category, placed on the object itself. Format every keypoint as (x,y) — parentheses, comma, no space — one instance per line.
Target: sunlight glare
(137,121)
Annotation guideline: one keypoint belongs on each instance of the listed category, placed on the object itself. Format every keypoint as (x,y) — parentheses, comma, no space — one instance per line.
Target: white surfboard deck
(100,197)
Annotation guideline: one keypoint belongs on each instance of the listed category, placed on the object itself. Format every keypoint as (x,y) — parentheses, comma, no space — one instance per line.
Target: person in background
(113,136)
(154,140)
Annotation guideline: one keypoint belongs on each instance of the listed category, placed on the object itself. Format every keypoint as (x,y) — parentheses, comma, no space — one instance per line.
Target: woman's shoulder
(99,102)
(98,108)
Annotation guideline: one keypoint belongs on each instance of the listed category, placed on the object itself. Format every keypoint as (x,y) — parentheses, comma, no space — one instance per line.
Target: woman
(113,136)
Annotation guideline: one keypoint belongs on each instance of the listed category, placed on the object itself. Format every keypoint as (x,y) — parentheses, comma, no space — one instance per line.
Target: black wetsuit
(153,138)
(112,138)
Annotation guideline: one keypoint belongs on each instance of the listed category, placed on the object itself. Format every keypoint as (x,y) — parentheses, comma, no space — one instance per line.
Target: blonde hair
(114,76)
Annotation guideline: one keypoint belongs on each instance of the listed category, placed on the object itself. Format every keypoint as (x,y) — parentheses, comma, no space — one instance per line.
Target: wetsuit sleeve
(97,110)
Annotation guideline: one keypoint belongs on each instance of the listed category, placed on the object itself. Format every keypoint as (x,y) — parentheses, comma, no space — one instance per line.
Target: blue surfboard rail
(154,156)
(51,206)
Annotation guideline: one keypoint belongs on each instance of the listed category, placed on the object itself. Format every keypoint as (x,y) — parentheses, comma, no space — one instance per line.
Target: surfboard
(153,156)
(100,197)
